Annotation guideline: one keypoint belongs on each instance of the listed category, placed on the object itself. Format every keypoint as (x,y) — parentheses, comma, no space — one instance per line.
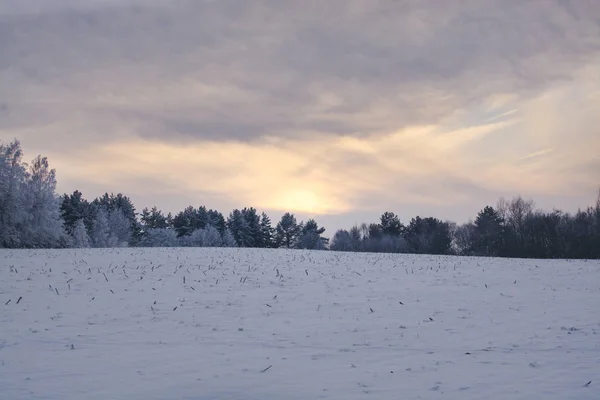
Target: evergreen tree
(267,232)
(288,230)
(428,236)
(488,232)
(375,231)
(217,220)
(74,207)
(153,219)
(185,222)
(311,236)
(239,228)
(595,236)
(391,225)
(202,218)
(253,227)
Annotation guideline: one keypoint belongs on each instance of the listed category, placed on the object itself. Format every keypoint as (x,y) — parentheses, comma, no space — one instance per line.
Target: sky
(337,109)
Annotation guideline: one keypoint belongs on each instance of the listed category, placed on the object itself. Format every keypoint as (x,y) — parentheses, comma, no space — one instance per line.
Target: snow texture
(274,324)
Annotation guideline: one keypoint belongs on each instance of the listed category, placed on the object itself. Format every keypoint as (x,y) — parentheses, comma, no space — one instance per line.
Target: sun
(300,200)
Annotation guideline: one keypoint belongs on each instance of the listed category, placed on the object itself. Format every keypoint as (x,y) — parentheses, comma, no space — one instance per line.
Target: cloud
(324,175)
(224,70)
(323,105)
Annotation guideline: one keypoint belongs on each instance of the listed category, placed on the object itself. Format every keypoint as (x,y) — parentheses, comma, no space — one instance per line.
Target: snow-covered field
(275,324)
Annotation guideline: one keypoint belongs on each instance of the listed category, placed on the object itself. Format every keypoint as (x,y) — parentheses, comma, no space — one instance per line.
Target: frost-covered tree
(211,237)
(207,237)
(356,238)
(29,209)
(13,175)
(342,241)
(204,237)
(100,234)
(44,226)
(80,238)
(194,239)
(120,229)
(385,244)
(159,237)
(228,239)
(125,205)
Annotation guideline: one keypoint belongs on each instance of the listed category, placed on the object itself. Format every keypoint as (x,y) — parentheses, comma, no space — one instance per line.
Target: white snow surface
(277,324)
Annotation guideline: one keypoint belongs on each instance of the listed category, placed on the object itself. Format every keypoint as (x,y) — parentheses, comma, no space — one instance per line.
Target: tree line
(32,215)
(511,229)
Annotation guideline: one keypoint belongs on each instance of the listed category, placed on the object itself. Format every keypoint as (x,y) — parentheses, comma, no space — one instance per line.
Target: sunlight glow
(300,200)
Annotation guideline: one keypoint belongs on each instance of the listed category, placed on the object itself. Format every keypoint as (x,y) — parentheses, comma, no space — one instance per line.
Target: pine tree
(216,219)
(153,219)
(375,231)
(288,231)
(391,225)
(238,226)
(253,227)
(74,207)
(488,232)
(428,236)
(189,220)
(267,232)
(310,236)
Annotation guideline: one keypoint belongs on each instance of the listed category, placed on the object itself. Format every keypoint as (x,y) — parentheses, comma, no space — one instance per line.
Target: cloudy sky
(339,109)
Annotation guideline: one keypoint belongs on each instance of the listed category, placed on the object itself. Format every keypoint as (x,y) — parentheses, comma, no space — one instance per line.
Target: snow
(276,324)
